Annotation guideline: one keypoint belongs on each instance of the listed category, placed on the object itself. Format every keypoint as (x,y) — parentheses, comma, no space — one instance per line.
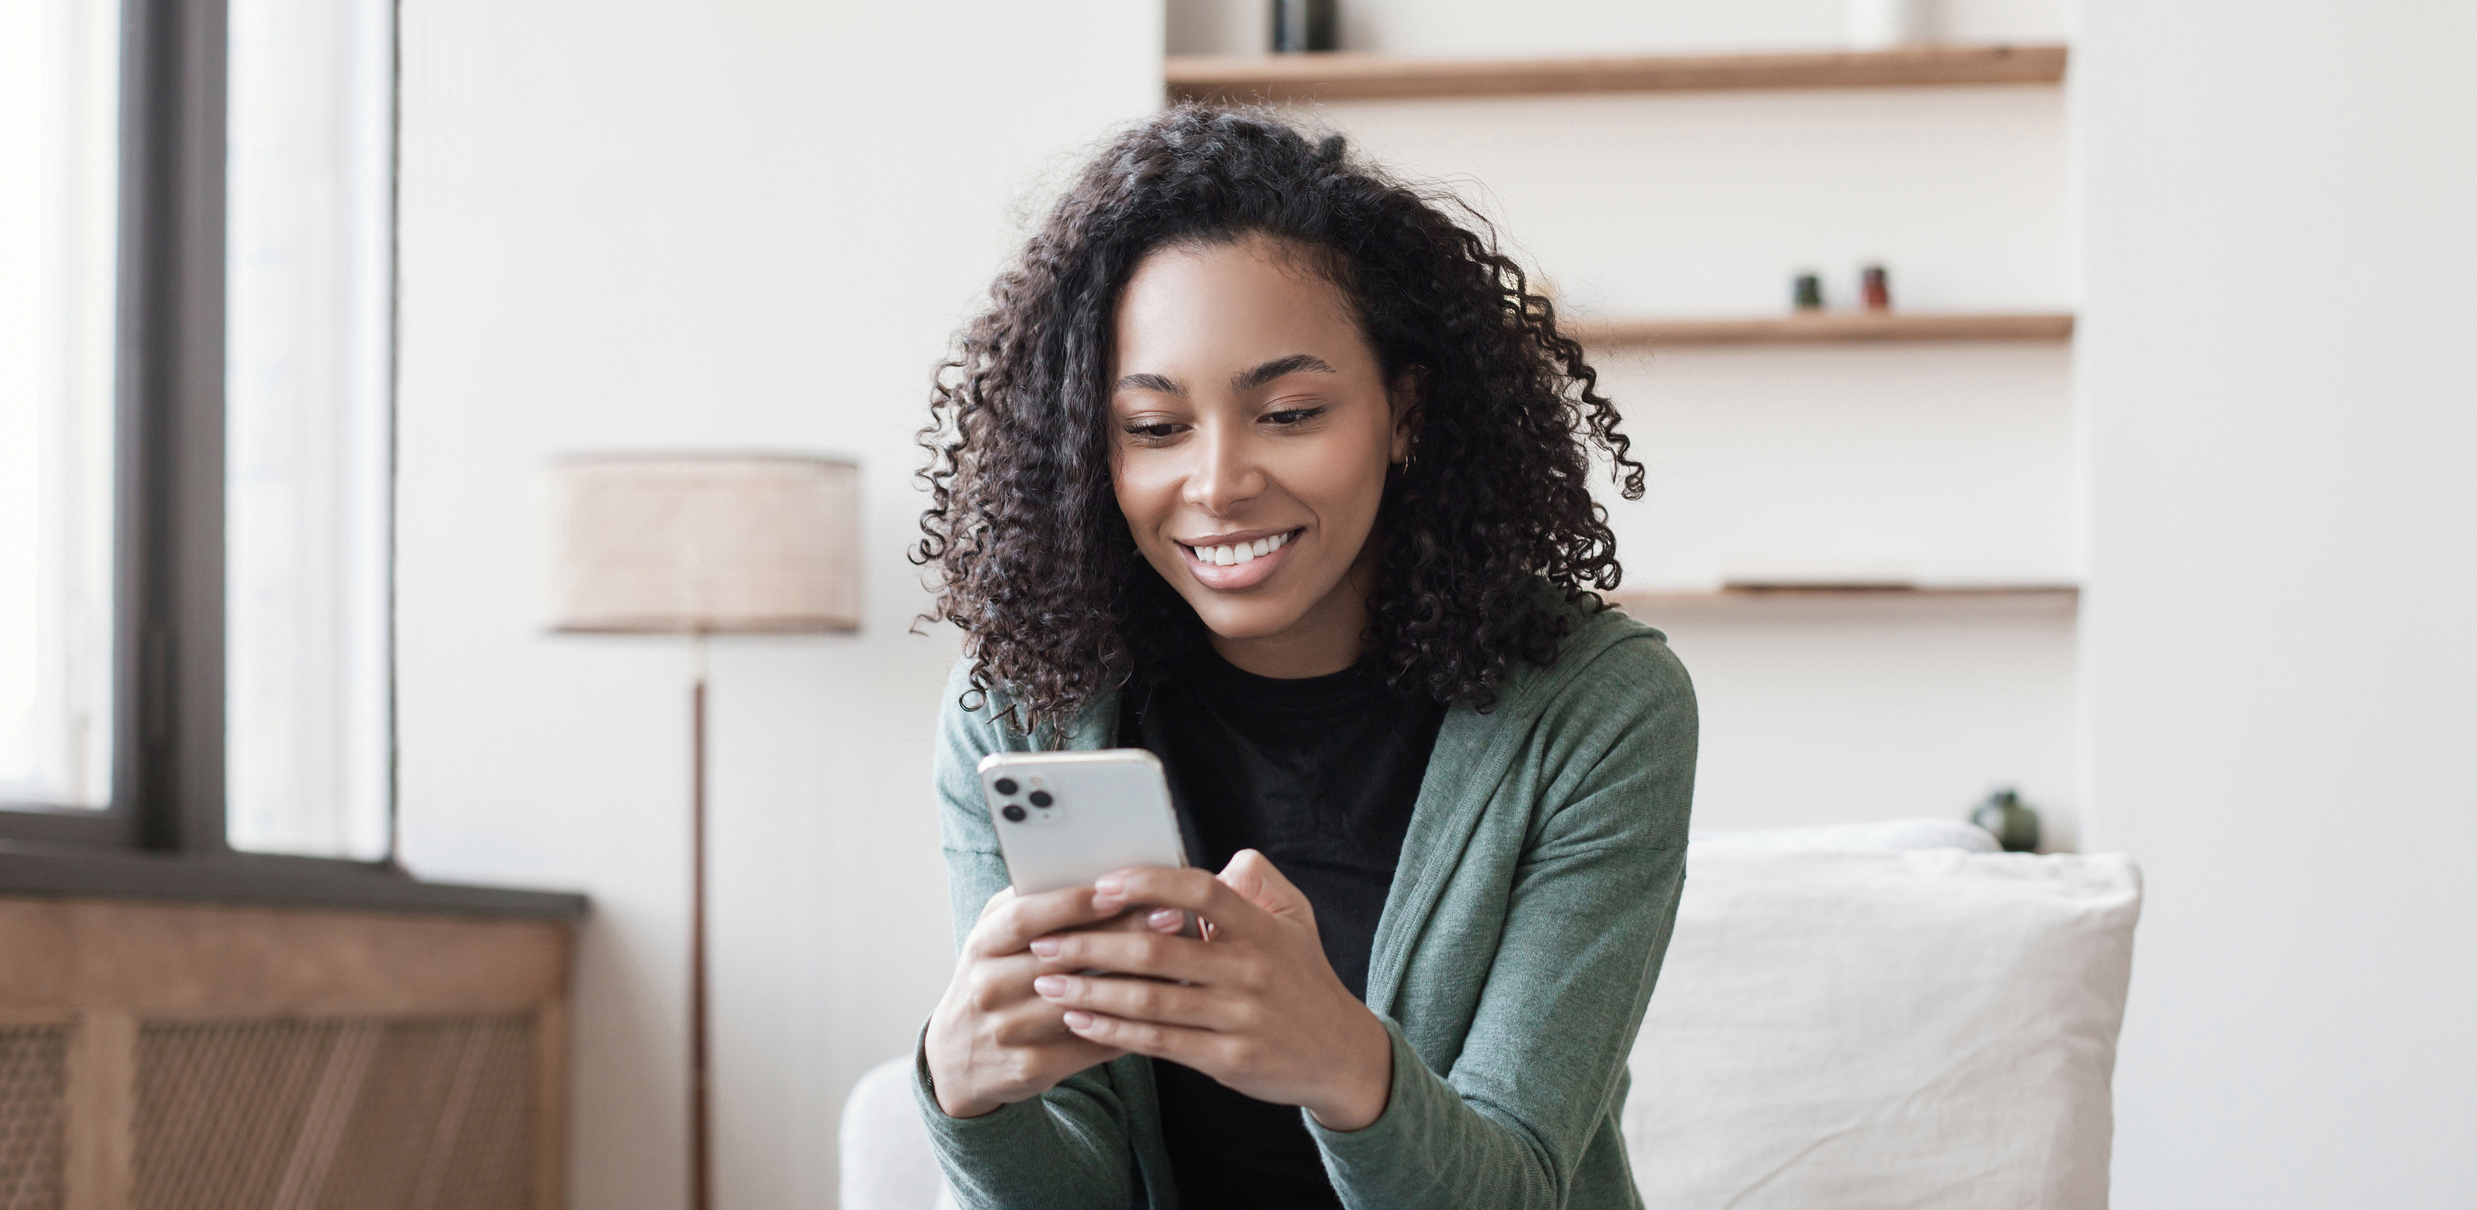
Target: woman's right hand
(994,1041)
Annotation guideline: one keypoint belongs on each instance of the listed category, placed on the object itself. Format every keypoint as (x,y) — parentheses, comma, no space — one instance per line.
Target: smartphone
(1066,818)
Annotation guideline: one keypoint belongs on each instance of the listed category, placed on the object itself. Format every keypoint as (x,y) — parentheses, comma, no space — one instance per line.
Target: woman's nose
(1225,474)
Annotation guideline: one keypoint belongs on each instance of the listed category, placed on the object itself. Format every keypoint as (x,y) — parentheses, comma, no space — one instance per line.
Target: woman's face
(1251,431)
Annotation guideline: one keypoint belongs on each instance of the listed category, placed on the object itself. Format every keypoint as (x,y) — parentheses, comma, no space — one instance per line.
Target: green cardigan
(1517,950)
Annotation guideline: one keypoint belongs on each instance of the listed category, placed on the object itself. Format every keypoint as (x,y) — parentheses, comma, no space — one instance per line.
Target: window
(59,118)
(308,277)
(196,365)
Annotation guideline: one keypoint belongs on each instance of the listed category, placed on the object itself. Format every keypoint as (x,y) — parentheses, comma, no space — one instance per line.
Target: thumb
(1252,875)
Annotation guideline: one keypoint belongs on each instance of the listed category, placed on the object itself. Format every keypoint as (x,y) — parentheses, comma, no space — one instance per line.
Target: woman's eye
(1153,432)
(1290,416)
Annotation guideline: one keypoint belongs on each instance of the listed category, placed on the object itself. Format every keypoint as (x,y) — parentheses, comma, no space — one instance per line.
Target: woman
(1264,463)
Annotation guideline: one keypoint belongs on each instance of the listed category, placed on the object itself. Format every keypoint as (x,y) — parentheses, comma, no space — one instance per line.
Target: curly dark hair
(1490,538)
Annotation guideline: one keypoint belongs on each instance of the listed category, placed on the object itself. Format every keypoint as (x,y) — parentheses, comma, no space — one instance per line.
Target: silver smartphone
(1066,818)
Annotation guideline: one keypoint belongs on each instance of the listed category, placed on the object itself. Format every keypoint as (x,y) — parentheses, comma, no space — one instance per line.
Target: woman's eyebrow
(1248,380)
(1244,380)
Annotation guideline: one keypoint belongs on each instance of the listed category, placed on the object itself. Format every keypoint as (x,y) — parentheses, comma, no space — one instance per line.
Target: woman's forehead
(1221,309)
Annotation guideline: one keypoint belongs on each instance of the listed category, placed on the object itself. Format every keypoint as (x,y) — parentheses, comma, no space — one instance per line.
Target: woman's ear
(1405,397)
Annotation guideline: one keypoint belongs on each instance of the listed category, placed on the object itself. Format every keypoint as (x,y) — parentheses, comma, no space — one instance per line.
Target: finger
(1168,921)
(1152,955)
(1009,925)
(1196,1048)
(1028,1023)
(1041,957)
(998,984)
(1141,922)
(1071,1054)
(1032,1024)
(1259,882)
(1054,1048)
(1191,889)
(1136,999)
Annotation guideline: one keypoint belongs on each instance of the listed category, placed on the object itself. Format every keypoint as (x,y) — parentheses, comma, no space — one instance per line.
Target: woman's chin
(1247,621)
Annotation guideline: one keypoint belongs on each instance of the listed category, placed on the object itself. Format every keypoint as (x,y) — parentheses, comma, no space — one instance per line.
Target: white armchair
(1882,1015)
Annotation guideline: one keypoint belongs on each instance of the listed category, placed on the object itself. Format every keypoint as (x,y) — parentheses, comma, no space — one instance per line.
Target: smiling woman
(1491,500)
(1264,463)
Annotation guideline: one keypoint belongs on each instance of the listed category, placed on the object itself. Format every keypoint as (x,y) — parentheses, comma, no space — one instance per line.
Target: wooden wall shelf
(1736,595)
(1346,75)
(1826,328)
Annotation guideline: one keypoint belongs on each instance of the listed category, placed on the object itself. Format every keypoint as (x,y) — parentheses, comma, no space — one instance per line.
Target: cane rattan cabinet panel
(186,1057)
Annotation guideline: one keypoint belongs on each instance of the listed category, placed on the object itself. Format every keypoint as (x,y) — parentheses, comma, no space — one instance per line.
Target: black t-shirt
(1320,776)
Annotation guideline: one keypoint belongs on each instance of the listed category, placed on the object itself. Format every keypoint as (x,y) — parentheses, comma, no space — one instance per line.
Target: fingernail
(1050,985)
(1078,1020)
(1046,947)
(1167,920)
(1110,884)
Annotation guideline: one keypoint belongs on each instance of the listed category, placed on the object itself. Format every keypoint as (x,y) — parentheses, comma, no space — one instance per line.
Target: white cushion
(887,1163)
(1922,1029)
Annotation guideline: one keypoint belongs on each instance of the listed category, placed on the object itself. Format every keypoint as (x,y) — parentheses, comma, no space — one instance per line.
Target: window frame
(167,458)
(163,833)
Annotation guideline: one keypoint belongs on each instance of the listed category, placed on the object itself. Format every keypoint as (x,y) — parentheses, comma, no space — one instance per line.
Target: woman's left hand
(1257,1007)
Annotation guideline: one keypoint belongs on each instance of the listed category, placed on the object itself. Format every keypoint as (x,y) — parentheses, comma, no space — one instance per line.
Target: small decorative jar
(1306,25)
(2013,824)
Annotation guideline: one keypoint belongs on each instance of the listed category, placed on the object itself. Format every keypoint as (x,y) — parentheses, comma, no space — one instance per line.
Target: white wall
(1824,712)
(2280,380)
(1943,464)
(1948,464)
(743,224)
(1709,203)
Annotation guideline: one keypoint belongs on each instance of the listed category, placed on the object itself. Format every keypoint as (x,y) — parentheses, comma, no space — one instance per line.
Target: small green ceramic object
(1806,294)
(2014,826)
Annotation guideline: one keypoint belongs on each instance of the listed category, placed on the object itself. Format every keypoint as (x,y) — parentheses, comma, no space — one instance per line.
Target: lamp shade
(707,543)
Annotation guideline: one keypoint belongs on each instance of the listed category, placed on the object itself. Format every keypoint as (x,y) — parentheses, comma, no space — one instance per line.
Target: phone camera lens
(1004,785)
(1041,798)
(1013,813)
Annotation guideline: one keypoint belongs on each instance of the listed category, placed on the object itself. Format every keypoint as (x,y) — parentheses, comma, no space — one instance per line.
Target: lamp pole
(700,1144)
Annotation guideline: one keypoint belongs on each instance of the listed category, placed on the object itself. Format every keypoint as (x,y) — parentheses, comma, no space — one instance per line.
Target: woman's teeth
(1240,552)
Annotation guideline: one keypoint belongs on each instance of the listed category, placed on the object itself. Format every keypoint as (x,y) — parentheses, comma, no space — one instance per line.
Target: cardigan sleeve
(1068,1147)
(1587,918)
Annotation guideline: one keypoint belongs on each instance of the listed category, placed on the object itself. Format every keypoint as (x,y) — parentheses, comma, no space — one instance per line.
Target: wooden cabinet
(157,1056)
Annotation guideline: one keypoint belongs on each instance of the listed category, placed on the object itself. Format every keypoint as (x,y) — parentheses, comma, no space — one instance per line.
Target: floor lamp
(702,545)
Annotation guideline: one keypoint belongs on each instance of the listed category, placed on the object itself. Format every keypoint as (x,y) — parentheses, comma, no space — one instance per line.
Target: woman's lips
(1229,577)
